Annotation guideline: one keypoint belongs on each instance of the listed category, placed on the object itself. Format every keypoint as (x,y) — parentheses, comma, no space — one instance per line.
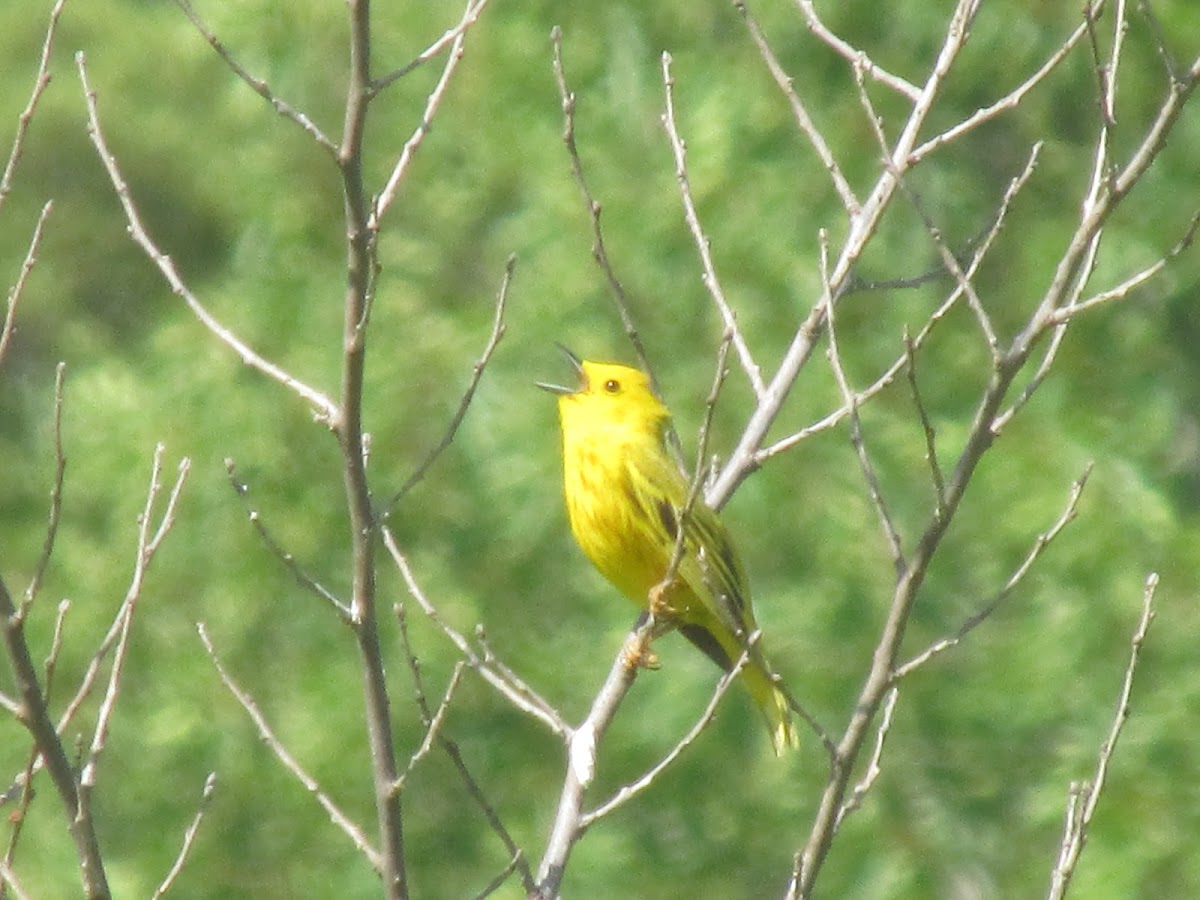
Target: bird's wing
(710,566)
(712,570)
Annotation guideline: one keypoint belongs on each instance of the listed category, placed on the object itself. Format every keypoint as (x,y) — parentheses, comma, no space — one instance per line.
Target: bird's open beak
(577,365)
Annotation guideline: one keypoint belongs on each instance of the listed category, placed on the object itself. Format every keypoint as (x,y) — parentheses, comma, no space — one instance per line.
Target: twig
(1084,796)
(56,491)
(964,281)
(720,373)
(257,85)
(384,200)
(874,768)
(289,560)
(498,330)
(147,545)
(9,328)
(327,411)
(498,676)
(1043,540)
(599,250)
(581,757)
(703,245)
(92,673)
(189,836)
(516,854)
(854,56)
(787,84)
(267,736)
(474,8)
(628,791)
(931,454)
(744,458)
(10,879)
(40,82)
(1122,290)
(433,729)
(1170,64)
(50,665)
(888,376)
(496,883)
(1008,102)
(892,535)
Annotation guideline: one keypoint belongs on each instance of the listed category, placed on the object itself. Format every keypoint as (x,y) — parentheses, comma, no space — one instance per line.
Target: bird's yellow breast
(607,519)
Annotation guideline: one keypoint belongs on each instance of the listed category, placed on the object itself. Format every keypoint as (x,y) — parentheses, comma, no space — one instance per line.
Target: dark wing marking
(703,639)
(666,515)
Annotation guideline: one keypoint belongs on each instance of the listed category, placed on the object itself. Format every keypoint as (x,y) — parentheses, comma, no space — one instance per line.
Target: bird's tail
(773,702)
(719,645)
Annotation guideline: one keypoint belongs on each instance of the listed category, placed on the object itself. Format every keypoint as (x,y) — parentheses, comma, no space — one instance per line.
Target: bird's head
(608,395)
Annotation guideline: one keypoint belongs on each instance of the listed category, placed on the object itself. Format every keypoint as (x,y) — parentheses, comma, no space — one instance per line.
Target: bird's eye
(612,385)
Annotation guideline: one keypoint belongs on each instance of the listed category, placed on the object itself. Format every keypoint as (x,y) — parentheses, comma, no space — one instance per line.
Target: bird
(626,499)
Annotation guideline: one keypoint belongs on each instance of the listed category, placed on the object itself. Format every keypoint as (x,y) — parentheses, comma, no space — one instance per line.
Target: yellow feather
(624,496)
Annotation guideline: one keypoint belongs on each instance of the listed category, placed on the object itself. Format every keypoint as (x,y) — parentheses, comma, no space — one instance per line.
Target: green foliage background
(986,740)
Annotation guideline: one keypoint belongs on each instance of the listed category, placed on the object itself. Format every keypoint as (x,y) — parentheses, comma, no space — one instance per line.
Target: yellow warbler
(625,497)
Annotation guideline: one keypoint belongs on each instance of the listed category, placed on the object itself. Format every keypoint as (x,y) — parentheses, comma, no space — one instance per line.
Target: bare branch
(931,454)
(1085,796)
(516,854)
(362,265)
(628,791)
(339,818)
(854,56)
(34,715)
(257,85)
(581,757)
(494,673)
(9,328)
(711,282)
(433,727)
(147,545)
(889,375)
(1040,544)
(1006,103)
(473,10)
(40,82)
(326,410)
(895,544)
(385,197)
(498,329)
(744,458)
(874,768)
(56,490)
(289,560)
(189,837)
(599,251)
(799,112)
(76,794)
